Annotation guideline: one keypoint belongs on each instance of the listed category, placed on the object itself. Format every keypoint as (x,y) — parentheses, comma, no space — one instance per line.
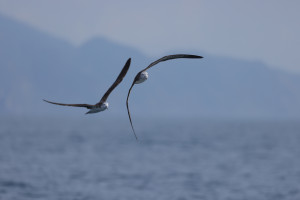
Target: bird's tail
(90,112)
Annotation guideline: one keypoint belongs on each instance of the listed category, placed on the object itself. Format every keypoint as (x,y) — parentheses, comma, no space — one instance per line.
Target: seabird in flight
(102,104)
(143,76)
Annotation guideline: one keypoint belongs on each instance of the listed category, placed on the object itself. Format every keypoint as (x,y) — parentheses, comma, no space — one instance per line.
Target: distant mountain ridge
(35,65)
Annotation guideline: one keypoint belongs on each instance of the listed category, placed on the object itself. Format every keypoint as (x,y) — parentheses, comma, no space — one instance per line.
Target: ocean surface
(63,159)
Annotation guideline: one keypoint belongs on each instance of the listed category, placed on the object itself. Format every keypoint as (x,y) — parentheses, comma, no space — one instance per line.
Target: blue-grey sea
(92,159)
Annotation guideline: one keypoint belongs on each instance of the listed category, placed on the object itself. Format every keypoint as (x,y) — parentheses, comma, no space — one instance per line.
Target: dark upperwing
(88,106)
(117,81)
(171,57)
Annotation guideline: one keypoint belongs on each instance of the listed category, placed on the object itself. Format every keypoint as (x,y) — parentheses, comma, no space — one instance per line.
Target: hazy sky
(264,30)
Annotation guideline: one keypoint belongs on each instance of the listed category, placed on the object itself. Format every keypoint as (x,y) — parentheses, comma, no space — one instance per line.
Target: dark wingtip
(136,137)
(127,64)
(192,56)
(195,56)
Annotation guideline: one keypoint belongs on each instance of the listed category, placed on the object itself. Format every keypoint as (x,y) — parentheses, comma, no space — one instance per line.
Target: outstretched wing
(170,57)
(129,111)
(74,105)
(117,81)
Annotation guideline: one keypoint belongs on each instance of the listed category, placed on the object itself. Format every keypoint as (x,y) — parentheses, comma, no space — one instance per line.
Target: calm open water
(175,160)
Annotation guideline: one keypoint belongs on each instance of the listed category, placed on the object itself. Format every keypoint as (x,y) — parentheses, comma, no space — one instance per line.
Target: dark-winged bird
(102,104)
(143,76)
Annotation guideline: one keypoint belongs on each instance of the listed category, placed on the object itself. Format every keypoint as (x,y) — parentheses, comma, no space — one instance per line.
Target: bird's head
(104,105)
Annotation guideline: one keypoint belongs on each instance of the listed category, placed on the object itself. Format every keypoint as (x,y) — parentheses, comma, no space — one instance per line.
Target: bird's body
(141,77)
(97,108)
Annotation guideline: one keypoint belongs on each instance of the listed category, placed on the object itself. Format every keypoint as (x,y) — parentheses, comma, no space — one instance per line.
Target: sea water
(173,160)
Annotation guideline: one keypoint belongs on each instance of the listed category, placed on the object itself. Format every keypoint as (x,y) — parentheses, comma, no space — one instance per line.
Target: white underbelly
(141,80)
